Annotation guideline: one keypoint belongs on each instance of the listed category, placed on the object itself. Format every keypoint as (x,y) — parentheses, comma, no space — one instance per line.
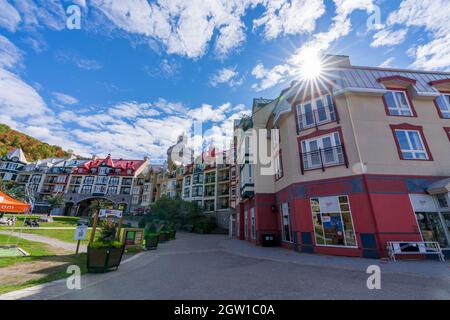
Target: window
(102,180)
(433,217)
(252,213)
(397,103)
(125,190)
(332,219)
(286,231)
(114,181)
(443,104)
(86,190)
(127,182)
(316,112)
(100,189)
(411,145)
(186,193)
(112,190)
(246,224)
(103,171)
(135,199)
(89,180)
(61,179)
(277,155)
(58,188)
(323,151)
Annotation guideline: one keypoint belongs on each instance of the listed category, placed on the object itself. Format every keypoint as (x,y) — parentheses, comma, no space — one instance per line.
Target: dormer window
(398,103)
(94,170)
(443,105)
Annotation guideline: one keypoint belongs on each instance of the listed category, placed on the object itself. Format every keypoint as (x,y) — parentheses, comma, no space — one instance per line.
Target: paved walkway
(214,267)
(68,246)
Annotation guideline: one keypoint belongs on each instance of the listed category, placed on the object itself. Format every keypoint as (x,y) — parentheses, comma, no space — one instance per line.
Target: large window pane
(333,228)
(432,228)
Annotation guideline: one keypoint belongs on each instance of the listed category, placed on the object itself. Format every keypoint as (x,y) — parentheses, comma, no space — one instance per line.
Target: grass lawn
(45,264)
(53,275)
(63,235)
(70,222)
(35,249)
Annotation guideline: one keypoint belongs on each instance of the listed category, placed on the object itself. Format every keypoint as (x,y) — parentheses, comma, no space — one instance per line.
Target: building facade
(11,164)
(357,160)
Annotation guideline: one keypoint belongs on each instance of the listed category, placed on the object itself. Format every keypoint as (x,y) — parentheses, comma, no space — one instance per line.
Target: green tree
(55,201)
(12,189)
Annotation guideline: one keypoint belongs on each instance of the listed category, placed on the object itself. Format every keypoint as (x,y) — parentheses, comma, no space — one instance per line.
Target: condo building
(11,164)
(359,157)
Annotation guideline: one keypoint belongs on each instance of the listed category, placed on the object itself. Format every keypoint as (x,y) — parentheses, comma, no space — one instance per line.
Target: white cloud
(289,17)
(17,98)
(9,17)
(433,16)
(387,63)
(272,77)
(10,55)
(64,99)
(80,62)
(387,37)
(340,27)
(187,28)
(37,14)
(227,76)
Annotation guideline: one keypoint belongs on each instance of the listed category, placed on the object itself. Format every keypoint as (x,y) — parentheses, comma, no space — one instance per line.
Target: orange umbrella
(8,204)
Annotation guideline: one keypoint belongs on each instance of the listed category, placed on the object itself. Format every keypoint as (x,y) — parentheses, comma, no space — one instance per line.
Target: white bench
(395,248)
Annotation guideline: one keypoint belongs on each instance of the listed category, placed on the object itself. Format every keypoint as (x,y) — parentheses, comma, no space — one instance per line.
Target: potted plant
(164,236)
(172,233)
(151,237)
(105,254)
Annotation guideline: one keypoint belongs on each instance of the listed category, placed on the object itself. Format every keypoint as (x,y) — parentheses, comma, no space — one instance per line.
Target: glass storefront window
(432,228)
(332,220)
(286,223)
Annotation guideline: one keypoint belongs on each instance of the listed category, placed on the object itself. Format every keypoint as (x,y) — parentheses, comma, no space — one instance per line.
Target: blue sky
(138,72)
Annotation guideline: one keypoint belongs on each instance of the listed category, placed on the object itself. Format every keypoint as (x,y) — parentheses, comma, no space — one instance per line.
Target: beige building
(359,157)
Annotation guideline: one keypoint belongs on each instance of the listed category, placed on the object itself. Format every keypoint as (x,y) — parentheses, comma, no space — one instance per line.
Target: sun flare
(311,66)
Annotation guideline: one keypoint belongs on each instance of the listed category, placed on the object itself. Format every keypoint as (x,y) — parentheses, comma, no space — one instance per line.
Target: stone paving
(215,267)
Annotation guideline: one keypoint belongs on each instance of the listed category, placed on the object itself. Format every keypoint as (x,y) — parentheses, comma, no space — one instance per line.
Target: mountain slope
(34,149)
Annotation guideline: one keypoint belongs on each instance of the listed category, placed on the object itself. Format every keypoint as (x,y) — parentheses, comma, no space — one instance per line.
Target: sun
(311,65)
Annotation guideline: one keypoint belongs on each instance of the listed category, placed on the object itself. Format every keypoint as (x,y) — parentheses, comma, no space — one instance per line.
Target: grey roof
(361,79)
(367,78)
(17,153)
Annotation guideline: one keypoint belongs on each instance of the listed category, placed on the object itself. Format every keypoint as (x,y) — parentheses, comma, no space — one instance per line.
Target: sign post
(80,234)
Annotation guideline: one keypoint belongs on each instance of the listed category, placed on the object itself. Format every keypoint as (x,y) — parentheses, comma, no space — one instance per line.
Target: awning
(439,187)
(8,204)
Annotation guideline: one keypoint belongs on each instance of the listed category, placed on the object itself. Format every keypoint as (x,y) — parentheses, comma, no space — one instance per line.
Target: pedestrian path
(425,268)
(50,241)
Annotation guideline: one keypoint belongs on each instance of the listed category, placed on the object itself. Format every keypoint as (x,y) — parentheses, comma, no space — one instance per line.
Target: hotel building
(359,158)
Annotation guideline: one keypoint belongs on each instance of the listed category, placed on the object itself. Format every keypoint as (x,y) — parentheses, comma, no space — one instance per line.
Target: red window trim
(319,133)
(447,131)
(281,166)
(398,78)
(437,106)
(438,82)
(386,107)
(406,126)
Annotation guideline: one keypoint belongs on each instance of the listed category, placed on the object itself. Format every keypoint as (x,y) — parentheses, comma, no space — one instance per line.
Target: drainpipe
(364,171)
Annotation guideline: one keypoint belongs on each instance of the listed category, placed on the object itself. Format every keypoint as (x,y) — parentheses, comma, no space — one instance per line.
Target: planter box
(172,235)
(164,236)
(104,259)
(151,242)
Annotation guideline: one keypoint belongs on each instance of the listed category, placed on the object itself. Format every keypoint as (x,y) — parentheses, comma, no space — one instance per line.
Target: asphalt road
(205,267)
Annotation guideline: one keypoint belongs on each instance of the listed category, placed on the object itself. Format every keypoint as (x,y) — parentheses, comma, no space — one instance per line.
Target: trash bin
(269,240)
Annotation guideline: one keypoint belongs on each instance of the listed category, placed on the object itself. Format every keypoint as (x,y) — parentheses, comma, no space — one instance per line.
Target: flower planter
(104,259)
(172,234)
(151,242)
(164,236)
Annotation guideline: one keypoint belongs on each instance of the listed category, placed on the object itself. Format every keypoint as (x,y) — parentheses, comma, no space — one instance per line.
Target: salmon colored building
(358,158)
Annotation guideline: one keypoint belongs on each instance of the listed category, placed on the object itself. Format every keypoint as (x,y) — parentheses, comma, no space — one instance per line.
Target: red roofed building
(108,178)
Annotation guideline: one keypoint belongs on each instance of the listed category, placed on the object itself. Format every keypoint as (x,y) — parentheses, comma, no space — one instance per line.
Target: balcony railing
(323,158)
(317,117)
